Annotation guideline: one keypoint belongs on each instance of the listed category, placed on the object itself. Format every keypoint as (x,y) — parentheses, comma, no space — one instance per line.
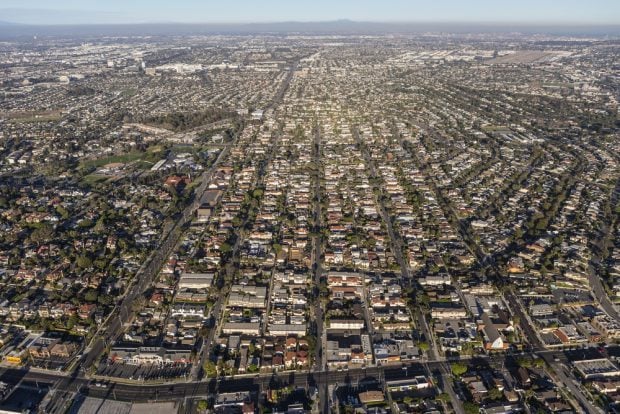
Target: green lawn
(124,158)
(94,179)
(141,160)
(35,116)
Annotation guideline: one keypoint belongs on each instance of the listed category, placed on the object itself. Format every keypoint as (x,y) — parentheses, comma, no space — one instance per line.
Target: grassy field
(34,116)
(124,158)
(144,159)
(94,179)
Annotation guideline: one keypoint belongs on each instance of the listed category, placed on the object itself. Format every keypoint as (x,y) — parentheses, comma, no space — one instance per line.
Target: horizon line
(337,20)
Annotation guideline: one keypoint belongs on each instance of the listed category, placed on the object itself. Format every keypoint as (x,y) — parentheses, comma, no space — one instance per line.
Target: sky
(586,12)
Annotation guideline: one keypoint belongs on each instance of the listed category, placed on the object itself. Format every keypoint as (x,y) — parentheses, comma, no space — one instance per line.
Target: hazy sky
(228,11)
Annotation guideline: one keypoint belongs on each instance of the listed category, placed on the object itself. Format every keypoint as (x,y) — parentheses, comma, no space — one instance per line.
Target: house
(340,348)
(478,390)
(416,383)
(247,296)
(607,387)
(447,310)
(63,350)
(196,280)
(369,397)
(346,324)
(177,182)
(523,377)
(86,310)
(246,328)
(493,339)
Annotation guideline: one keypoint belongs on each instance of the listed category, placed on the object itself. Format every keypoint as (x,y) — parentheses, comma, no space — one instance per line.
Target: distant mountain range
(11,28)
(3,23)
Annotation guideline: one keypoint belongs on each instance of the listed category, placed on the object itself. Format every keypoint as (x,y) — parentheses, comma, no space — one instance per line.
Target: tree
(84,262)
(64,214)
(210,368)
(105,300)
(471,408)
(100,226)
(138,303)
(495,394)
(524,362)
(85,223)
(458,369)
(101,263)
(225,248)
(91,295)
(443,397)
(518,234)
(72,321)
(237,222)
(42,233)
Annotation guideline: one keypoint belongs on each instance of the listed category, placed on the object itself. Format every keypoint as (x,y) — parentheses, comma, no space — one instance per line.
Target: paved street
(188,210)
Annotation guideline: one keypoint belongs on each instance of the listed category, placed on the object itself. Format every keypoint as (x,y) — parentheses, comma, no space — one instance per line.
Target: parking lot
(151,372)
(27,396)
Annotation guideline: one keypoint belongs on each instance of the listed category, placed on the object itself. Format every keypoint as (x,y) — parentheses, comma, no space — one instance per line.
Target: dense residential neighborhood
(310,223)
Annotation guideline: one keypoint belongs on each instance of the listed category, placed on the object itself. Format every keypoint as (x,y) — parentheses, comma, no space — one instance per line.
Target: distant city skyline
(573,12)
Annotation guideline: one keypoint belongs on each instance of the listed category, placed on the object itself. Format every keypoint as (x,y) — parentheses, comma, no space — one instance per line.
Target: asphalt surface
(142,392)
(145,276)
(216,311)
(67,384)
(147,273)
(515,305)
(397,249)
(600,294)
(320,362)
(443,376)
(151,392)
(146,392)
(570,384)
